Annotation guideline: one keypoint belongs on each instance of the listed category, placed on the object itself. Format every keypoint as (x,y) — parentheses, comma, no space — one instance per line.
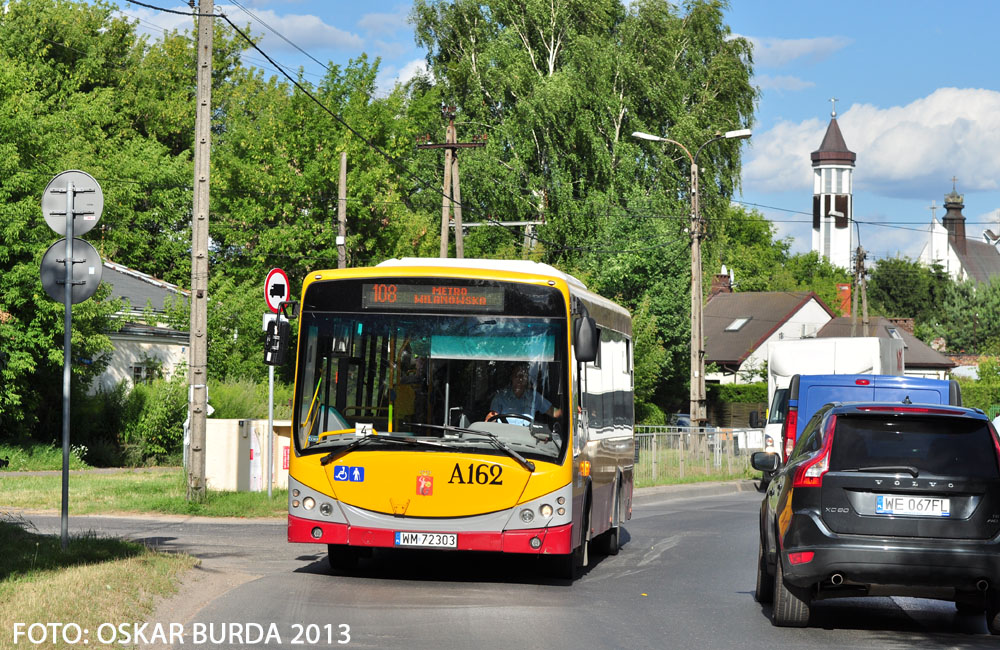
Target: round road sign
(276,289)
(87,272)
(88,202)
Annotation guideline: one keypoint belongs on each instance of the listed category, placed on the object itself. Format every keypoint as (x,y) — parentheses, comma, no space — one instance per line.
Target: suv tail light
(788,431)
(810,473)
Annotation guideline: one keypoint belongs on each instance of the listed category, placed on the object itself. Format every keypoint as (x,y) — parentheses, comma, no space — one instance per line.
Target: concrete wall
(236,455)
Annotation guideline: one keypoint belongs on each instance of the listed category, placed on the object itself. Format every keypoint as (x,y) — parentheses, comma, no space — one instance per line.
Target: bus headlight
(545,510)
(309,503)
(527,515)
(325,509)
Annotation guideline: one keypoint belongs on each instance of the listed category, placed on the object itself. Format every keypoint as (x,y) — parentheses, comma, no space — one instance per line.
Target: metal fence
(665,454)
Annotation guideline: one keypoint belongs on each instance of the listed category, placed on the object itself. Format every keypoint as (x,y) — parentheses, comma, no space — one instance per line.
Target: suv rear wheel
(764,591)
(791,604)
(993,611)
(970,602)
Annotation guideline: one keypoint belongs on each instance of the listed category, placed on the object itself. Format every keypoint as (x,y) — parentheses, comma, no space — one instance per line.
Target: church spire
(833,203)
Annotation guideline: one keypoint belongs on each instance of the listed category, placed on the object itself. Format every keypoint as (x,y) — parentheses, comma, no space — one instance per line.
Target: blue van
(807,393)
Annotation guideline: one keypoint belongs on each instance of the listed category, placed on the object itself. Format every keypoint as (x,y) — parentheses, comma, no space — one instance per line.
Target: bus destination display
(422,297)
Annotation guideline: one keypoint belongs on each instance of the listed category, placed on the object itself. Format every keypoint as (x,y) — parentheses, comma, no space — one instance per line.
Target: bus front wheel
(565,566)
(342,557)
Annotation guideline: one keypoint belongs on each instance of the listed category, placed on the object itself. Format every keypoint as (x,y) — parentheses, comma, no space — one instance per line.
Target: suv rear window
(941,446)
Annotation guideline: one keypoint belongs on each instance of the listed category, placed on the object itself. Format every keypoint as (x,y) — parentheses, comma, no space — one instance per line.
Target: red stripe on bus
(554,541)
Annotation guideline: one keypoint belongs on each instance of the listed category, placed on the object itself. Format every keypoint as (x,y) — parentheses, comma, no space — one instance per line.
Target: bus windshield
(432,377)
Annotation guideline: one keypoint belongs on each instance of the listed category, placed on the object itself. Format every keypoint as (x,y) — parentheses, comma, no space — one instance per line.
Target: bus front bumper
(537,541)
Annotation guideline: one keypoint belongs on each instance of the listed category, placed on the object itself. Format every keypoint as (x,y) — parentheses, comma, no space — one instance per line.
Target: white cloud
(776,52)
(389,75)
(411,70)
(384,24)
(781,82)
(305,30)
(901,151)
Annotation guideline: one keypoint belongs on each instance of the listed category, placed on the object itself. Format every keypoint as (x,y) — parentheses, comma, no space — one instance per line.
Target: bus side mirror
(276,342)
(585,337)
(754,420)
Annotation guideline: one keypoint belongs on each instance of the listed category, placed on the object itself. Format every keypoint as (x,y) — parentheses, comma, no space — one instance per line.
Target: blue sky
(917,87)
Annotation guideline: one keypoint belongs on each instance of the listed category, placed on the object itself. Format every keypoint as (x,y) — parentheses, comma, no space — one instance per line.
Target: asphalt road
(683,579)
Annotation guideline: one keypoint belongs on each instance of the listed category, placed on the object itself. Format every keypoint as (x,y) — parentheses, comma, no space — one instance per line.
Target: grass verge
(94,581)
(134,492)
(34,457)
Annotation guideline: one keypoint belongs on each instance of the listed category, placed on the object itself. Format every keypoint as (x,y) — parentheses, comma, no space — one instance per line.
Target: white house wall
(130,351)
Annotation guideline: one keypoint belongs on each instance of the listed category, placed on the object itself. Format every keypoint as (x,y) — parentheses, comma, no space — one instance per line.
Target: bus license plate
(427,540)
(898,504)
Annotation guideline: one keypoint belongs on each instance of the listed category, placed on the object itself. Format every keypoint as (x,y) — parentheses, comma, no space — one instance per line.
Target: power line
(279,34)
(172,11)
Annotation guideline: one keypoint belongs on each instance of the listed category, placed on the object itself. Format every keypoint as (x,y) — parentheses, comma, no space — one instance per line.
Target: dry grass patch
(94,582)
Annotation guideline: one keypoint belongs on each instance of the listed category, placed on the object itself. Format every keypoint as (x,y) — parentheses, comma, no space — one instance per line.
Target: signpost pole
(270,427)
(276,291)
(67,358)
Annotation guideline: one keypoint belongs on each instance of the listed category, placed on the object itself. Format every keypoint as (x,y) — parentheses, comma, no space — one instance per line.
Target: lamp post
(698,412)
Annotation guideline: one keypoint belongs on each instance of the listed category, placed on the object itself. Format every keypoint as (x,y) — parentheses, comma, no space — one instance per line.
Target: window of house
(737,324)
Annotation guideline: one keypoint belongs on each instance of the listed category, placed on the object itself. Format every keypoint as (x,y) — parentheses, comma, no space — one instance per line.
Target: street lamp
(698,412)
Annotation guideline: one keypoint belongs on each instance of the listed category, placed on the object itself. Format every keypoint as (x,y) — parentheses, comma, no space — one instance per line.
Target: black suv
(883,499)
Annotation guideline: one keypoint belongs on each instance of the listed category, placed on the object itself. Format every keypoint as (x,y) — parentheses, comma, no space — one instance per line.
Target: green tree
(906,288)
(560,86)
(743,240)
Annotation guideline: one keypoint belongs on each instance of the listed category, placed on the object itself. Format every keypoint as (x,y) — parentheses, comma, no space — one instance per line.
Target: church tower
(833,203)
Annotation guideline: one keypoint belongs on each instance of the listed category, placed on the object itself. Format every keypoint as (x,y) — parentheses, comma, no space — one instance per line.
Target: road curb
(689,490)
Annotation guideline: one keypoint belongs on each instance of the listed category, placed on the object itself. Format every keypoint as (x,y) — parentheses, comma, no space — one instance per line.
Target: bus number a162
(384,293)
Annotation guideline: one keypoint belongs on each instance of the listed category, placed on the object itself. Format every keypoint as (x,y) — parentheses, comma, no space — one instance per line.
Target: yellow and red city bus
(395,444)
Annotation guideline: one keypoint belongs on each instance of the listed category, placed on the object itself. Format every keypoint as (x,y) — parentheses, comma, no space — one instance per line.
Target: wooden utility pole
(860,285)
(197,373)
(864,292)
(342,213)
(451,194)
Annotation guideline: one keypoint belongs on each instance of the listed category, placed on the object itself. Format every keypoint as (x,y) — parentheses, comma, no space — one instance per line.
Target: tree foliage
(556,85)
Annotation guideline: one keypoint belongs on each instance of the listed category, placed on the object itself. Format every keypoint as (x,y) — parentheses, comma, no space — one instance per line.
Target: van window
(940,446)
(779,407)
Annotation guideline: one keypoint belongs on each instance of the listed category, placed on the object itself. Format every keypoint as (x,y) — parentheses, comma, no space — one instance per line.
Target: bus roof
(510,266)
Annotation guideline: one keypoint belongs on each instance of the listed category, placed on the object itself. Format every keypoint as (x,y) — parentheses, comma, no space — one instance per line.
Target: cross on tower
(933,208)
(833,113)
(953,181)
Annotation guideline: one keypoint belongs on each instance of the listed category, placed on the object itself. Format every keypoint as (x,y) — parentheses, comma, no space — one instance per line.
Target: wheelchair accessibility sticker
(347,473)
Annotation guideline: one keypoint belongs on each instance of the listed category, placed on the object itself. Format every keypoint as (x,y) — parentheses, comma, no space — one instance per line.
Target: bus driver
(520,399)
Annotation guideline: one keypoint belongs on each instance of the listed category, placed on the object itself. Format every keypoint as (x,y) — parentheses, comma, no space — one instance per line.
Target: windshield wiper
(911,470)
(334,455)
(492,437)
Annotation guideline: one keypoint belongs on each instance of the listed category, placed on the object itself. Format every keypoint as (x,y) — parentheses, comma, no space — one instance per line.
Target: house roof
(917,353)
(765,312)
(139,288)
(980,260)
